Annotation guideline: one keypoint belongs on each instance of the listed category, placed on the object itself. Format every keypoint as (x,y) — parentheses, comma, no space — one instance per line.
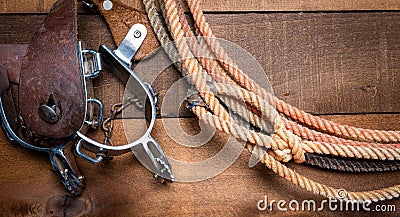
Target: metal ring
(99,115)
(78,146)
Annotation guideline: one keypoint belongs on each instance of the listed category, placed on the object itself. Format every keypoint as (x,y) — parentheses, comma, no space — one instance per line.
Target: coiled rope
(289,140)
(344,131)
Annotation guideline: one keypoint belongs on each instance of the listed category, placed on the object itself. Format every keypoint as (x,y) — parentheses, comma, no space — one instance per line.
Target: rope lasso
(210,66)
(318,123)
(282,141)
(311,133)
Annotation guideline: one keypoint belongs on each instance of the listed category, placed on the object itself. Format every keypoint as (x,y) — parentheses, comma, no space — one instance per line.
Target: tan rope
(271,159)
(242,94)
(283,136)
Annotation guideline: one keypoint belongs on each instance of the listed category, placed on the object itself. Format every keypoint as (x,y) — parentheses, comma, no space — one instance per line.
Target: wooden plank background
(341,65)
(40,6)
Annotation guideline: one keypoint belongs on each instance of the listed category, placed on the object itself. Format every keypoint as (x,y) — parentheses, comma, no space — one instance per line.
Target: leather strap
(11,56)
(4,84)
(120,18)
(51,75)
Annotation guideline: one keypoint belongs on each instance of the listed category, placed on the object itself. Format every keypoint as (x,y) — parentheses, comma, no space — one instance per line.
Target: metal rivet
(107,5)
(48,114)
(137,34)
(49,111)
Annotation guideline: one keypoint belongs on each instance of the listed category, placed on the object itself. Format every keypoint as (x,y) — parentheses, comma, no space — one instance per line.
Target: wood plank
(122,187)
(302,5)
(323,63)
(43,6)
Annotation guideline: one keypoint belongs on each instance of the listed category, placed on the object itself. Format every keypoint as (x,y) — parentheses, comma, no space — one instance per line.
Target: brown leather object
(11,56)
(50,73)
(4,84)
(121,18)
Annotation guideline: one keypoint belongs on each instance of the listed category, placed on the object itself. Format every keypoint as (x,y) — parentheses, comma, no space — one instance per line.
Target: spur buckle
(146,148)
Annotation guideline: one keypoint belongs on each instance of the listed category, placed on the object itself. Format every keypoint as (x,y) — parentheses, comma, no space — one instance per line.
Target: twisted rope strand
(244,112)
(288,141)
(203,55)
(313,135)
(198,76)
(162,35)
(306,133)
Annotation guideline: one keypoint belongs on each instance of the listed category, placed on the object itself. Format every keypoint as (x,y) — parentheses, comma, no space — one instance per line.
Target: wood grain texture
(122,187)
(43,6)
(323,63)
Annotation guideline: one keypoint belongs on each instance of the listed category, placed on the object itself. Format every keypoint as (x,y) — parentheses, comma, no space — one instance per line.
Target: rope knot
(292,147)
